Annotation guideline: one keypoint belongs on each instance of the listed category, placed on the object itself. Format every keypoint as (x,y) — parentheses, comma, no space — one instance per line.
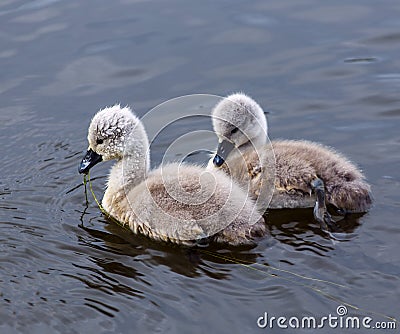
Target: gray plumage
(298,163)
(176,202)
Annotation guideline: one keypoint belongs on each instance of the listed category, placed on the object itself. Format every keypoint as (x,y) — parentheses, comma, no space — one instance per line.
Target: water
(325,71)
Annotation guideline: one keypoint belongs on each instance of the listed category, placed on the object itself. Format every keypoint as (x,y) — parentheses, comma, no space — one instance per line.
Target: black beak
(89,160)
(223,150)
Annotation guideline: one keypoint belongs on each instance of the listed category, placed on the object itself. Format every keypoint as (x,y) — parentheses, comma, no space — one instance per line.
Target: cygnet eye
(235,130)
(99,141)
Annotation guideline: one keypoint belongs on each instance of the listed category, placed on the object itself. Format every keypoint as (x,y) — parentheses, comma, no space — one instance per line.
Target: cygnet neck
(255,144)
(134,165)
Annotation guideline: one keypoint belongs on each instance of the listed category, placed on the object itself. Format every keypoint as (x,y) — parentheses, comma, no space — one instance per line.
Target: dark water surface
(325,70)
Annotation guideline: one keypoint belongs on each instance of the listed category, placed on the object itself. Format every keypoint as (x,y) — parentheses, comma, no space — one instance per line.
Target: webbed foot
(321,213)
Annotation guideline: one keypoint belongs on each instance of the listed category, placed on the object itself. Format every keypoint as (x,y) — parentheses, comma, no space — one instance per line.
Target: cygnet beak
(223,150)
(90,159)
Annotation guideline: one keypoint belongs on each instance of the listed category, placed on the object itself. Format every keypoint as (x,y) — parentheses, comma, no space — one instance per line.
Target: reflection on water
(325,71)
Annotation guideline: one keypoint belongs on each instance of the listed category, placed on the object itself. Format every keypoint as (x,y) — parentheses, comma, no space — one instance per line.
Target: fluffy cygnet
(305,174)
(176,202)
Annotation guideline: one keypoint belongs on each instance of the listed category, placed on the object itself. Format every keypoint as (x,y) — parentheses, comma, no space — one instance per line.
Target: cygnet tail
(351,196)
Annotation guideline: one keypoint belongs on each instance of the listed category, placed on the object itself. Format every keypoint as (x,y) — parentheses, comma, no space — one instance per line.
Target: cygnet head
(237,120)
(114,133)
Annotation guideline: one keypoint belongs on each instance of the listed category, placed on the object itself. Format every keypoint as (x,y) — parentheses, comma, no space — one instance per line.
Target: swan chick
(184,204)
(304,173)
